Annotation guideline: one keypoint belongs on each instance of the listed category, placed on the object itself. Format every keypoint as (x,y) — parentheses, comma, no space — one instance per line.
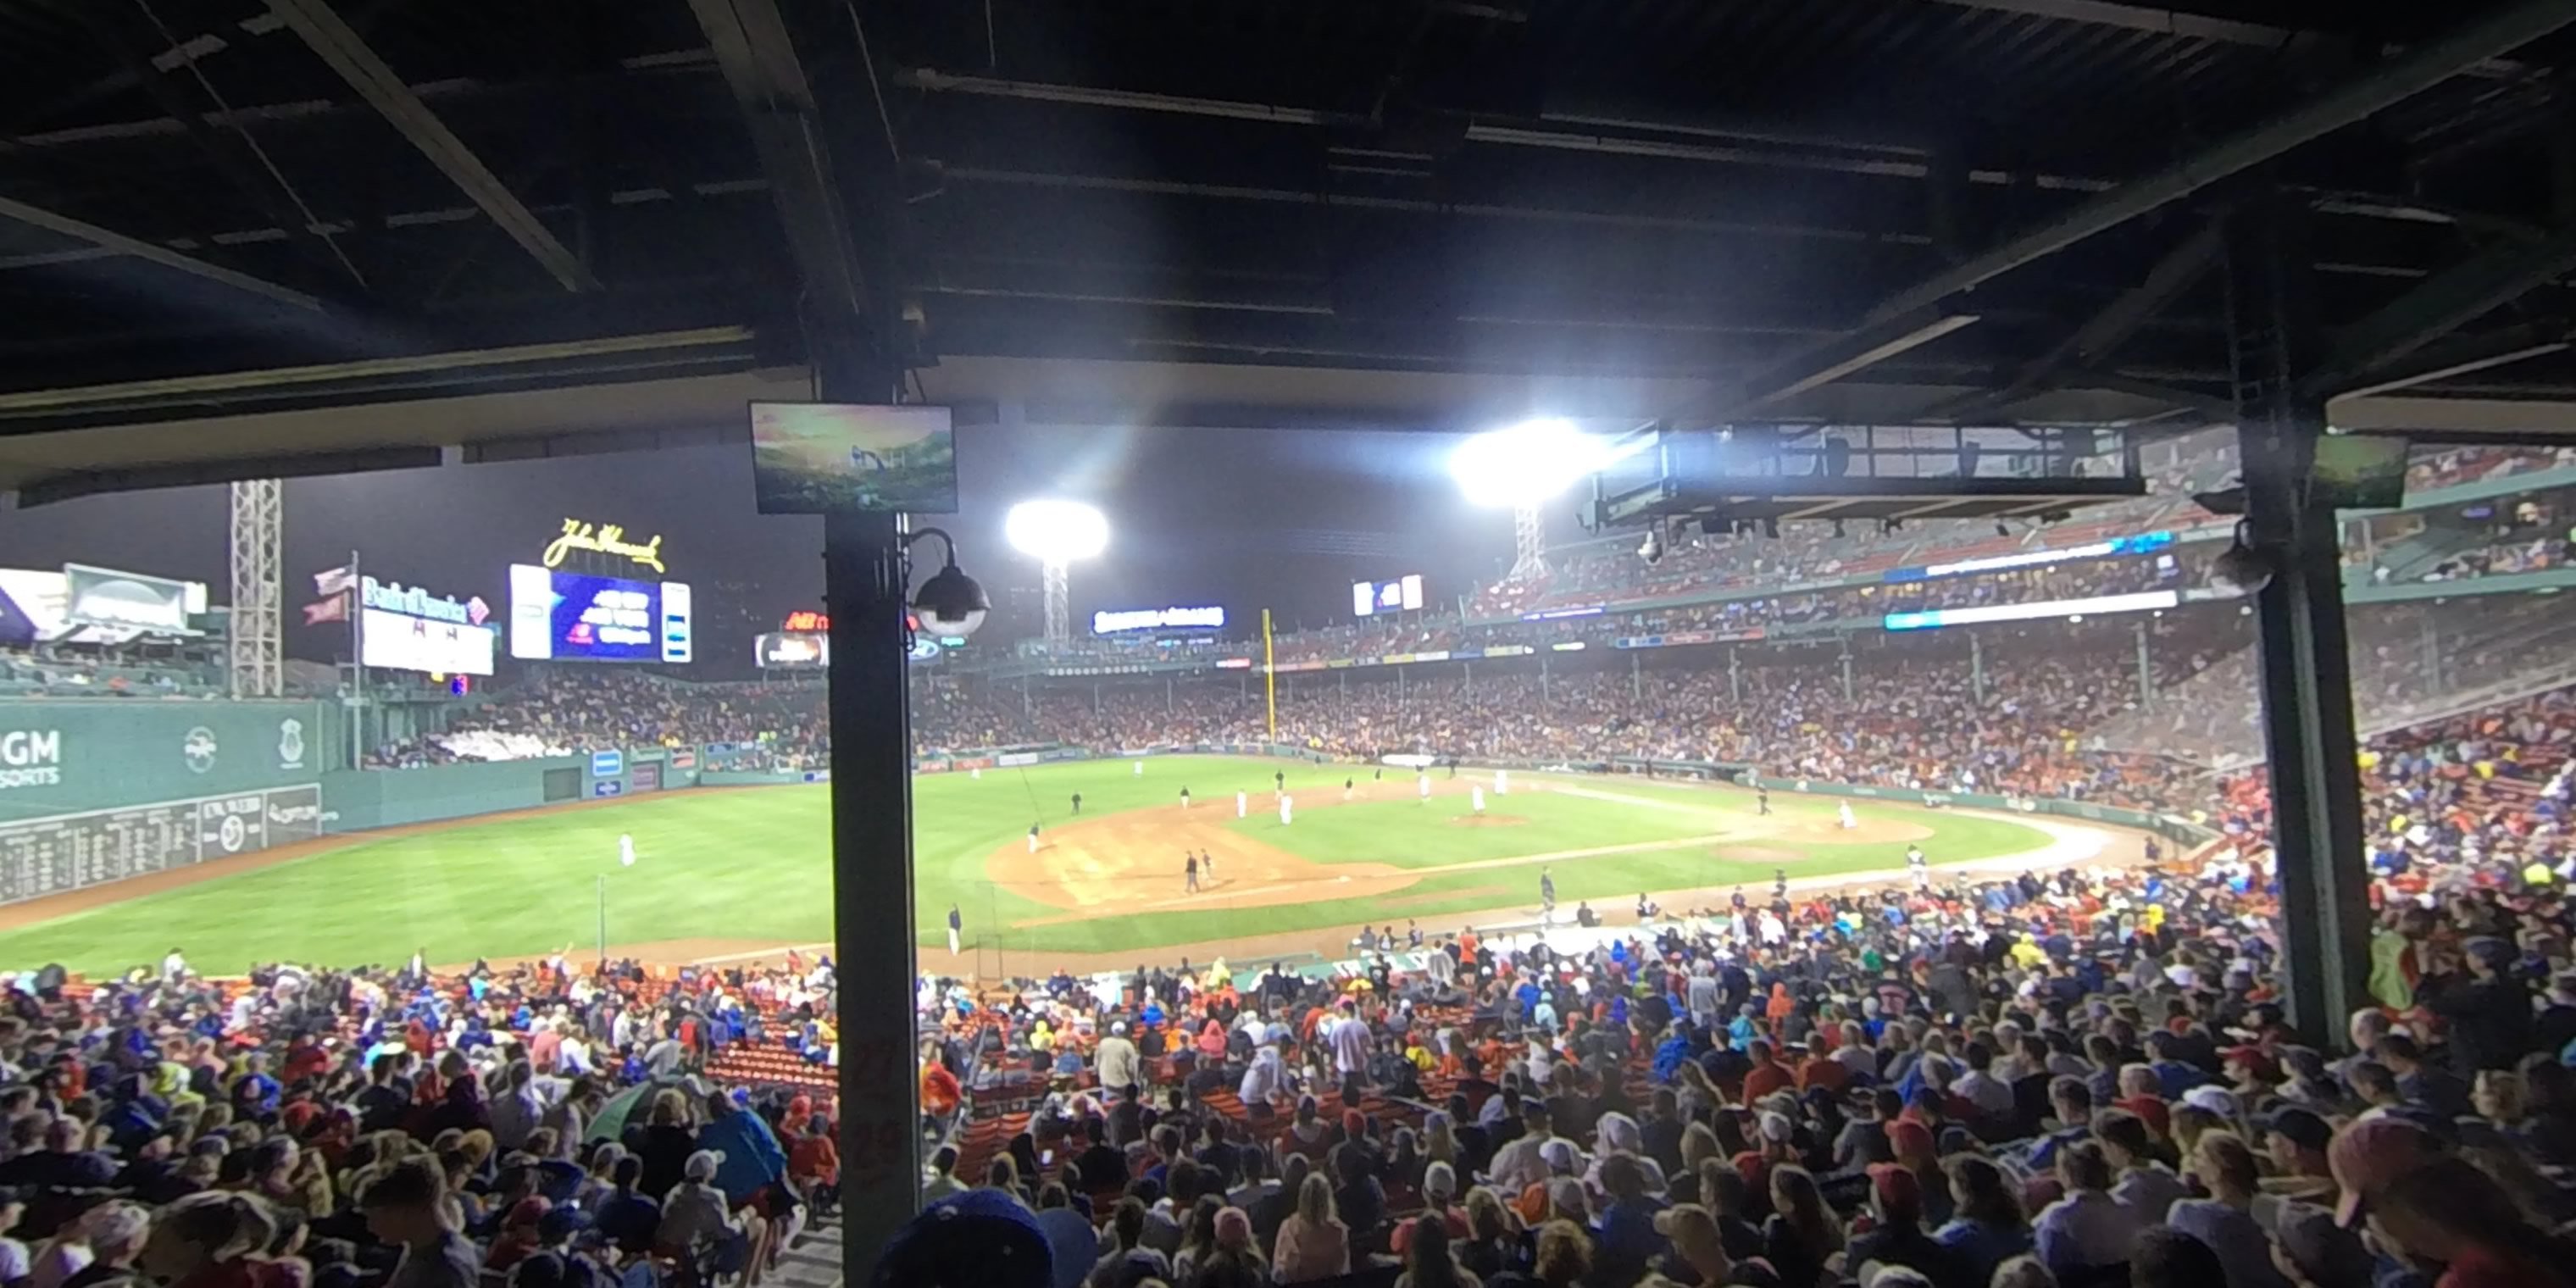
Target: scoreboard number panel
(41,857)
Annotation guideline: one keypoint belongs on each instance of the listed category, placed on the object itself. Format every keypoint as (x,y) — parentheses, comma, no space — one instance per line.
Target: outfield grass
(752,864)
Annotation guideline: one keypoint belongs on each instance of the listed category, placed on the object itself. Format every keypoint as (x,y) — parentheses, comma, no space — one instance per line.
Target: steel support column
(2307,690)
(871,722)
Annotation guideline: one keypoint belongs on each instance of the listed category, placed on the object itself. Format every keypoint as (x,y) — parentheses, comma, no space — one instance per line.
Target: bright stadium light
(1055,533)
(1522,467)
(1060,530)
(1526,463)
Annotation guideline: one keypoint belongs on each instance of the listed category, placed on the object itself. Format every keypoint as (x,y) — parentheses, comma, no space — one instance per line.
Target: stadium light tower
(1055,533)
(1524,466)
(256,662)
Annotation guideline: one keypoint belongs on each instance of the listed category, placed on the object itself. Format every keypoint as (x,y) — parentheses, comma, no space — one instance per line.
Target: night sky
(1242,518)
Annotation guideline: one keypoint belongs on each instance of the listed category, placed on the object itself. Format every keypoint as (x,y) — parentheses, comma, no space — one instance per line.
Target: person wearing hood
(1265,1081)
(1616,1134)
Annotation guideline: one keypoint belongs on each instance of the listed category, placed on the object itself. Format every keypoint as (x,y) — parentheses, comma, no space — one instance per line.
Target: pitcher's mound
(1489,820)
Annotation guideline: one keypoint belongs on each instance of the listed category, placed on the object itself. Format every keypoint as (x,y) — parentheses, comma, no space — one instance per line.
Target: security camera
(2240,570)
(1652,548)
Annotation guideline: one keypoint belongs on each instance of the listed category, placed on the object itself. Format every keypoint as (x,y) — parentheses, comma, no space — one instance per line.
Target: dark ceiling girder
(105,239)
(227,153)
(2442,305)
(756,50)
(2164,20)
(1823,364)
(2466,355)
(2151,19)
(2218,410)
(339,45)
(2392,82)
(2106,330)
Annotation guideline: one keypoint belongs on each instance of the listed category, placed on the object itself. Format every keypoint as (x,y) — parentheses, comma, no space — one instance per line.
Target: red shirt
(2478,1268)
(1765,1079)
(1821,1072)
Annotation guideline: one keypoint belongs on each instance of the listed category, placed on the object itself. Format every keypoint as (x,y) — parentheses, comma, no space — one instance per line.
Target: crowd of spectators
(557,711)
(2063,1078)
(55,671)
(546,1126)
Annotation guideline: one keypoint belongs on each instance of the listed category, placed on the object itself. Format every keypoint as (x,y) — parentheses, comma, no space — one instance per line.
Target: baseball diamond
(748,866)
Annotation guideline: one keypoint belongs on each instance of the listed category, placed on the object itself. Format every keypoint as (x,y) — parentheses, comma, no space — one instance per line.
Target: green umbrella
(613,1116)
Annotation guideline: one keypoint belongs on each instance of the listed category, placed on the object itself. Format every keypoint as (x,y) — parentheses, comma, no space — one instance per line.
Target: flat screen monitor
(2360,471)
(853,458)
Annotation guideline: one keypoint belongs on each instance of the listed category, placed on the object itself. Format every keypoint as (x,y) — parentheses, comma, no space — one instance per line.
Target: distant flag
(334,609)
(334,581)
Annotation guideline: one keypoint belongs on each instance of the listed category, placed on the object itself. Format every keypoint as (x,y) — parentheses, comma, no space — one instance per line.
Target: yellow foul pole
(1269,676)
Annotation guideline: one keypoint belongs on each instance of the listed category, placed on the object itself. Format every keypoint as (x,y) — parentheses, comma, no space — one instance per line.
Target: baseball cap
(1896,1186)
(2254,1058)
(982,1238)
(2496,953)
(2324,1252)
(2370,1153)
(2301,1127)
(2210,1099)
(1671,1220)
(562,1223)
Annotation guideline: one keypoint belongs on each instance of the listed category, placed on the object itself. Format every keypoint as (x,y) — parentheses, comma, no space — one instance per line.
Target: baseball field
(741,872)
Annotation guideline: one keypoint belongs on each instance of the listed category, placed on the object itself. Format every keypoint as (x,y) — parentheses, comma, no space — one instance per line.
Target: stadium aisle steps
(814,1259)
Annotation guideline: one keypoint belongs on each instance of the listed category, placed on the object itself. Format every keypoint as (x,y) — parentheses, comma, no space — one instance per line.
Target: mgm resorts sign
(31,758)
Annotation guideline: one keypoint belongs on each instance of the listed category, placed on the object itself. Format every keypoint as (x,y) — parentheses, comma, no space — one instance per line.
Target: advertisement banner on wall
(107,597)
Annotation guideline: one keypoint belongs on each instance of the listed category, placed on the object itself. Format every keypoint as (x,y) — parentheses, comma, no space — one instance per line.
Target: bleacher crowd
(2070,1078)
(547,1126)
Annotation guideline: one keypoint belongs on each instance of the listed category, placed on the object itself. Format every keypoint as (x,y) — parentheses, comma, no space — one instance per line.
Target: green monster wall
(101,753)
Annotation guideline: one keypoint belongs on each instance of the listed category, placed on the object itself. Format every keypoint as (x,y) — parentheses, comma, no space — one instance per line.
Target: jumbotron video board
(558,616)
(1402,595)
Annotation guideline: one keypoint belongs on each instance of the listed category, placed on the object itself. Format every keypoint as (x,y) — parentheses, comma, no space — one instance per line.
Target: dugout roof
(215,214)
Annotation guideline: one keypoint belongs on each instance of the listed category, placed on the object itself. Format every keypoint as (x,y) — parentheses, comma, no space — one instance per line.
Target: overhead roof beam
(135,248)
(2464,356)
(2165,21)
(1826,363)
(2108,329)
(2398,79)
(756,51)
(2443,304)
(226,152)
(2147,18)
(347,53)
